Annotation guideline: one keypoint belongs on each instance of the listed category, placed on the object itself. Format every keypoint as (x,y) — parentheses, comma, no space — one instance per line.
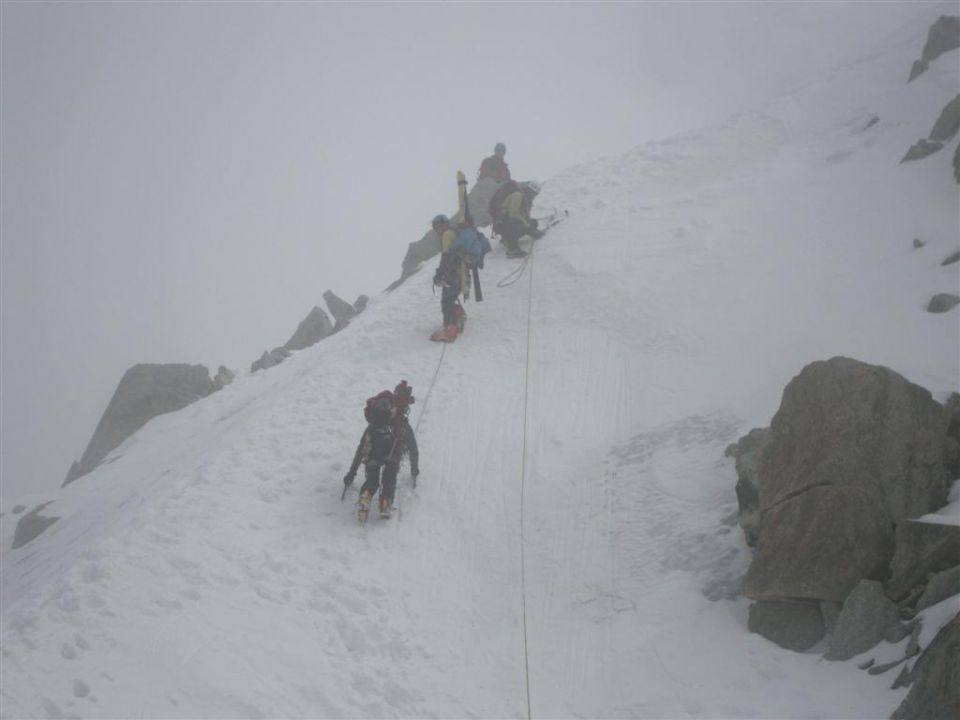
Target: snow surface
(571,548)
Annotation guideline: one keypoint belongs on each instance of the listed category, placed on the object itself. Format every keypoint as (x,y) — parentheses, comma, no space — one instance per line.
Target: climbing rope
(416,429)
(523,478)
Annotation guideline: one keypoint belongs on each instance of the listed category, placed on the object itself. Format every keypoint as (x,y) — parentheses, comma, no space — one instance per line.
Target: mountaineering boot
(385,507)
(363,506)
(452,332)
(459,317)
(517,253)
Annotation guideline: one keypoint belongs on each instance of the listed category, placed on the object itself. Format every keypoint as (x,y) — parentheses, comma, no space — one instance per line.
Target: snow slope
(571,548)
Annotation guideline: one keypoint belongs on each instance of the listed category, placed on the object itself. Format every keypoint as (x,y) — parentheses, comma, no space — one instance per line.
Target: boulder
(360,304)
(865,619)
(342,311)
(791,625)
(144,392)
(853,450)
(746,452)
(940,587)
(311,330)
(948,123)
(921,149)
(819,545)
(31,525)
(918,243)
(922,549)
(954,256)
(943,302)
(936,677)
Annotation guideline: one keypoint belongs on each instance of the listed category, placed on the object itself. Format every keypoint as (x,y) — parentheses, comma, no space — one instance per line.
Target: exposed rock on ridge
(144,392)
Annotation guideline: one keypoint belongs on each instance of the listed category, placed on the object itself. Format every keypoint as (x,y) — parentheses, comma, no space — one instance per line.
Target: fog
(181,182)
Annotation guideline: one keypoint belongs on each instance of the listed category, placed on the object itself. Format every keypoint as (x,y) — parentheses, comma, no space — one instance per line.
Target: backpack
(471,245)
(379,410)
(502,193)
(382,439)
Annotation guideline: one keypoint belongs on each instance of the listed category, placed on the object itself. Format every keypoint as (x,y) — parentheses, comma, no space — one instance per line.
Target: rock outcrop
(920,149)
(922,549)
(342,311)
(866,619)
(144,392)
(31,525)
(936,677)
(943,36)
(943,302)
(853,450)
(311,330)
(948,123)
(270,358)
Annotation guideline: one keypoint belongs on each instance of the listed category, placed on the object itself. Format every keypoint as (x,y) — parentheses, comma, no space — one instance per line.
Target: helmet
(440,220)
(500,148)
(533,186)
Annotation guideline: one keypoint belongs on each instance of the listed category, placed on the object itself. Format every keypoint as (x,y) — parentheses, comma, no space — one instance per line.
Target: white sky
(182,181)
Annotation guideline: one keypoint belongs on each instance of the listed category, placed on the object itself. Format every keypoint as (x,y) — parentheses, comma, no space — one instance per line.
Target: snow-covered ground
(571,547)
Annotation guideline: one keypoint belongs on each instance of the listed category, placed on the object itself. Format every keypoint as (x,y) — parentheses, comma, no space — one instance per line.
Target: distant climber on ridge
(510,210)
(453,277)
(495,167)
(387,438)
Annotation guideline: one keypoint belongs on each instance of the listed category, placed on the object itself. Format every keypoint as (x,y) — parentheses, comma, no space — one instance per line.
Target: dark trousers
(387,482)
(510,232)
(448,300)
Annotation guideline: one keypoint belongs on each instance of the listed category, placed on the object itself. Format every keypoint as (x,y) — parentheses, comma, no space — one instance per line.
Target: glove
(348,479)
(437,279)
(537,234)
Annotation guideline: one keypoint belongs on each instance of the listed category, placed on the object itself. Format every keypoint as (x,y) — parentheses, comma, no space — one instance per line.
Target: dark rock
(144,392)
(940,587)
(880,669)
(948,123)
(918,68)
(747,451)
(943,302)
(952,451)
(819,544)
(903,679)
(791,625)
(31,525)
(853,450)
(867,665)
(918,243)
(921,549)
(224,377)
(943,36)
(921,149)
(953,257)
(863,621)
(360,304)
(270,359)
(913,645)
(830,612)
(896,632)
(341,310)
(311,330)
(17,509)
(936,677)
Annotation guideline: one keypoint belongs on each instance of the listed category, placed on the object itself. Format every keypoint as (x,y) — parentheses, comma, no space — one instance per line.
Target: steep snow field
(571,548)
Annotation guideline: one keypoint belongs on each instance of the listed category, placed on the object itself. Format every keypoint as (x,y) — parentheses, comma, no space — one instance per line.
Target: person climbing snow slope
(510,209)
